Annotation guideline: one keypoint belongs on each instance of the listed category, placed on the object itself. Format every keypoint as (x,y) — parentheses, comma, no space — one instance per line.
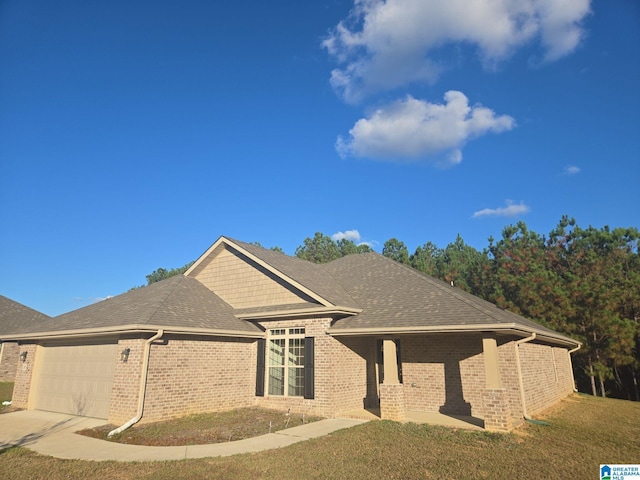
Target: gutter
(519,369)
(143,385)
(499,328)
(132,328)
(575,388)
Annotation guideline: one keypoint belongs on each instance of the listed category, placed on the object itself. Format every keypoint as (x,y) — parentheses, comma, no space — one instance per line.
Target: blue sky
(134,134)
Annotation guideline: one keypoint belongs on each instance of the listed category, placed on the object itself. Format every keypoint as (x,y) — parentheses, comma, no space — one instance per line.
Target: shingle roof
(304,272)
(391,297)
(178,302)
(397,296)
(14,316)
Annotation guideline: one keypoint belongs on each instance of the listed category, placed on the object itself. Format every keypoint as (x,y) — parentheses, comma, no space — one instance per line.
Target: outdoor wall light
(124,355)
(23,357)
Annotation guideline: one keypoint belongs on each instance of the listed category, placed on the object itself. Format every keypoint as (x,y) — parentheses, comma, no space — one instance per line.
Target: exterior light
(23,357)
(124,355)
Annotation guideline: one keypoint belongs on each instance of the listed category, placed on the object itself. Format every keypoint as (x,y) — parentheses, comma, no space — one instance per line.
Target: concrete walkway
(52,434)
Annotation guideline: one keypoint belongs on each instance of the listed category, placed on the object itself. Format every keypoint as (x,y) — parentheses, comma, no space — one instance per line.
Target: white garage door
(75,379)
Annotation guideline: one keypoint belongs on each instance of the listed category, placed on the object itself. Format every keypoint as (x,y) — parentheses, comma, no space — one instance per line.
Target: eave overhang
(499,328)
(130,329)
(319,311)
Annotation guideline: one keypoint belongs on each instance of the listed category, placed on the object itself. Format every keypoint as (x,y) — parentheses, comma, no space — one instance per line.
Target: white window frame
(287,334)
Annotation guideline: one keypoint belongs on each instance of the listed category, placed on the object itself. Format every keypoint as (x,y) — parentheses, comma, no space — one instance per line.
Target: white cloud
(352,235)
(511,210)
(412,129)
(385,45)
(101,299)
(571,170)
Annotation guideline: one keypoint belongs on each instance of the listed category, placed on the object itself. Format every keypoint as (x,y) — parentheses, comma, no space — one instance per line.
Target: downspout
(519,369)
(575,389)
(143,385)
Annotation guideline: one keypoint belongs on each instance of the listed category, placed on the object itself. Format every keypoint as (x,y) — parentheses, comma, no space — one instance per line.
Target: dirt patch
(204,428)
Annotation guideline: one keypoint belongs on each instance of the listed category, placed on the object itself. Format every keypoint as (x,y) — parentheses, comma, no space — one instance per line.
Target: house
(13,317)
(247,326)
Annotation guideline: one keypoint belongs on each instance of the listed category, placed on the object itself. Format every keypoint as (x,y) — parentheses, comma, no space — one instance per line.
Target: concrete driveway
(52,434)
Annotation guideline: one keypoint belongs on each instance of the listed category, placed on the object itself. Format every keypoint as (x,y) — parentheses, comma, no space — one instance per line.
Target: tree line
(581,282)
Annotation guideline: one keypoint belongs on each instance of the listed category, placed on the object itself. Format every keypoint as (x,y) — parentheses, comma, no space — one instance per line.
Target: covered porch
(449,379)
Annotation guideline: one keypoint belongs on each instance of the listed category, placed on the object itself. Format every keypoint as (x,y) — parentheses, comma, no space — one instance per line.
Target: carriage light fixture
(124,355)
(23,357)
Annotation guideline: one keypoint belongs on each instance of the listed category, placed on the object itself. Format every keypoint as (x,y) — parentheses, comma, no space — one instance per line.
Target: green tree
(319,249)
(396,250)
(348,247)
(162,273)
(461,265)
(603,284)
(581,282)
(426,259)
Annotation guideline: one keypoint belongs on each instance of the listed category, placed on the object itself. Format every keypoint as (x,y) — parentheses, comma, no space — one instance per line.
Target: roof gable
(250,277)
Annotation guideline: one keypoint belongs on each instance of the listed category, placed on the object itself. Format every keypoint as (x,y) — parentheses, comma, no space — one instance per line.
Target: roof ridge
(178,281)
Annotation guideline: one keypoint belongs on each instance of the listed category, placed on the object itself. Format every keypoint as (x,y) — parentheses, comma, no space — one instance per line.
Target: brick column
(494,397)
(497,417)
(391,402)
(391,392)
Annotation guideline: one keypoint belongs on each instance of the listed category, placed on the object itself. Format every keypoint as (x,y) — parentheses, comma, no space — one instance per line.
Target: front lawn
(583,432)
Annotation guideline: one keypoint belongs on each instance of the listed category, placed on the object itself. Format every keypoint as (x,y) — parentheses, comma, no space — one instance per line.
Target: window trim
(290,333)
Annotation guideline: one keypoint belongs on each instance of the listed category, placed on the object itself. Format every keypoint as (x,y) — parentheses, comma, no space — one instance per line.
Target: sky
(133,134)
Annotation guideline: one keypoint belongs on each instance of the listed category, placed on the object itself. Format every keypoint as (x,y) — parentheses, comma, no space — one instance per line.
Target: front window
(286,362)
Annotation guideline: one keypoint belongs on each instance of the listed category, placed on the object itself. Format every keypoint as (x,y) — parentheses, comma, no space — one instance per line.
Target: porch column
(391,393)
(494,397)
(390,361)
(491,366)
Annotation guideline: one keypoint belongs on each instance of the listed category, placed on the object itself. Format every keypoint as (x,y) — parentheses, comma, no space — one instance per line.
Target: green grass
(583,432)
(6,392)
(204,428)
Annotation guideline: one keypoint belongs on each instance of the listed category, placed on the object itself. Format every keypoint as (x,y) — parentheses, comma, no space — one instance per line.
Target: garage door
(75,378)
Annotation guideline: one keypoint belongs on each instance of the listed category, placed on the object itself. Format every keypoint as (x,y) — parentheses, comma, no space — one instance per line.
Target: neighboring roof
(178,304)
(400,299)
(14,316)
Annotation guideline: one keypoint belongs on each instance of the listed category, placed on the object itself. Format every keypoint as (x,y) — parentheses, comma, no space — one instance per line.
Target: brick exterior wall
(544,387)
(340,367)
(443,373)
(190,375)
(509,377)
(126,381)
(347,381)
(24,372)
(9,352)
